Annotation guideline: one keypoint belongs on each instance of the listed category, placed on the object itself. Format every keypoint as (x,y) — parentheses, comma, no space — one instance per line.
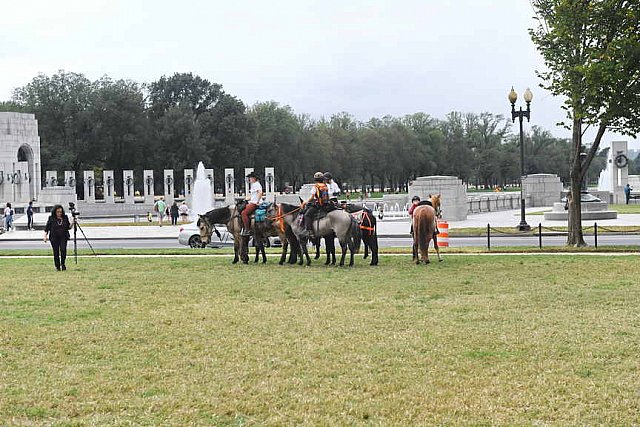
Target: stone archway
(25,157)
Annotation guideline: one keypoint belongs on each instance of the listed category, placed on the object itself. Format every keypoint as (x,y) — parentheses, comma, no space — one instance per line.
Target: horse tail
(421,230)
(356,235)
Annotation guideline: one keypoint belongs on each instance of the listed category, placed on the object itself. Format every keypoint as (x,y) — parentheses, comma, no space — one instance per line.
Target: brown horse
(229,216)
(424,229)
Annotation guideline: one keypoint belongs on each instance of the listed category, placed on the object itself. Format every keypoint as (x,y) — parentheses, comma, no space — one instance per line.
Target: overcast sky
(368,58)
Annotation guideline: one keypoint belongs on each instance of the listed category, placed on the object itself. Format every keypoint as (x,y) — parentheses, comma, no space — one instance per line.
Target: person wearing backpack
(160,207)
(318,201)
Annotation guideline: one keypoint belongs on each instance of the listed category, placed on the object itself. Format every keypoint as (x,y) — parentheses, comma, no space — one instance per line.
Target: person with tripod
(57,232)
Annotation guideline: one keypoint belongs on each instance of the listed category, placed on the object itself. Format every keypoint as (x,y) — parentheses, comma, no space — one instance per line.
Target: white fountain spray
(202,198)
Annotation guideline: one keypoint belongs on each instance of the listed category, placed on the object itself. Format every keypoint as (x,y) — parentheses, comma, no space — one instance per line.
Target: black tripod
(76,227)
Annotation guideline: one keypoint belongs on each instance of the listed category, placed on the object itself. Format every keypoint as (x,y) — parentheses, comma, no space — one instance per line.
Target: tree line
(178,120)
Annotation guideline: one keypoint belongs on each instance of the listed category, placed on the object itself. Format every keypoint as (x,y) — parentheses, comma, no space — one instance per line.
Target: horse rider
(415,202)
(318,201)
(253,198)
(334,188)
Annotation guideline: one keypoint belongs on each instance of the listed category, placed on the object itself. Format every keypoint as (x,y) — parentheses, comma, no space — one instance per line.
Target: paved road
(384,242)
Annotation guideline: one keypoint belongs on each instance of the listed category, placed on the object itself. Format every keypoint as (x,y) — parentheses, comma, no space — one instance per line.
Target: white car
(190,236)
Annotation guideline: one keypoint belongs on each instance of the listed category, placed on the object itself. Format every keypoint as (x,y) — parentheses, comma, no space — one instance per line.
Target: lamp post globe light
(521,114)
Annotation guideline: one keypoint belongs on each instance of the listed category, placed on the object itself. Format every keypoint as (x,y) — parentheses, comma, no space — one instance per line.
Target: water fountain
(604,181)
(201,196)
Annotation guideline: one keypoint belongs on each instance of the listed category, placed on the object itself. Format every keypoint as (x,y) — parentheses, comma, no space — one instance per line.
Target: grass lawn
(483,340)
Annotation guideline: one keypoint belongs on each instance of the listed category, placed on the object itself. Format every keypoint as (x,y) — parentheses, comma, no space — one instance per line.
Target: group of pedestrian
(8,214)
(172,212)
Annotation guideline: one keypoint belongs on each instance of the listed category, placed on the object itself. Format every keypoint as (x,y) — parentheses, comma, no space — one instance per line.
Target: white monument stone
(269,183)
(229,186)
(89,183)
(542,189)
(128,187)
(168,184)
(454,195)
(51,179)
(108,180)
(188,185)
(247,171)
(148,187)
(210,176)
(19,158)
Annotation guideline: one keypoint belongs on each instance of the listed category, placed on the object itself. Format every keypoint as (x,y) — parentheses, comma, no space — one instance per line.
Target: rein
(280,216)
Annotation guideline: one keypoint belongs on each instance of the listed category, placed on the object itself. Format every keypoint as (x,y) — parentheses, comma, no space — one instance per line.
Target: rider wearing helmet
(319,200)
(334,189)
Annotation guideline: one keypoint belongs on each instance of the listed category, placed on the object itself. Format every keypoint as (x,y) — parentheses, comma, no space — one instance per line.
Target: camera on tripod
(72,208)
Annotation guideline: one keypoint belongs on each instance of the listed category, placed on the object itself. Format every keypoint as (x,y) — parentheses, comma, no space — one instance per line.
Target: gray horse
(336,222)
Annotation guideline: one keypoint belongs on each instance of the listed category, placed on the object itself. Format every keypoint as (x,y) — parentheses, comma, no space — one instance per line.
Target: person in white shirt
(183,209)
(8,217)
(254,197)
(334,189)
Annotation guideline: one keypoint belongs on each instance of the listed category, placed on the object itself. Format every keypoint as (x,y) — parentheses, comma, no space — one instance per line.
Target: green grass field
(476,340)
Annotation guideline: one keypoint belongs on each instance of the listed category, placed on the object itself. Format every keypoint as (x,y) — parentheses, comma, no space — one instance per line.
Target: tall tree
(592,51)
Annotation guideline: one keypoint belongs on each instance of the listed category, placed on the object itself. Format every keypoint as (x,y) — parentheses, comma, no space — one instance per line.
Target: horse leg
(374,249)
(343,247)
(366,247)
(316,243)
(352,250)
(426,252)
(437,248)
(257,252)
(264,255)
(244,253)
(236,249)
(283,255)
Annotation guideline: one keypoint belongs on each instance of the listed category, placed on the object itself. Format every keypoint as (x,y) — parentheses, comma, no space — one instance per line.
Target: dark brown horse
(424,230)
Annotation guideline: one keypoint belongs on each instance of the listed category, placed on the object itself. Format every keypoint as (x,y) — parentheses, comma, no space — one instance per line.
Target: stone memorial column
(269,183)
(109,186)
(89,183)
(619,170)
(209,174)
(247,171)
(168,184)
(70,180)
(51,178)
(188,185)
(148,186)
(229,186)
(128,189)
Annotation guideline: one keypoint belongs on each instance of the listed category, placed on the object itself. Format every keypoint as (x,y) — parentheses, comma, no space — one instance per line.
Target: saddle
(425,203)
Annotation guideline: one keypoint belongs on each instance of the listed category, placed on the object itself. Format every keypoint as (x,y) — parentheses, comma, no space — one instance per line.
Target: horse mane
(287,208)
(219,215)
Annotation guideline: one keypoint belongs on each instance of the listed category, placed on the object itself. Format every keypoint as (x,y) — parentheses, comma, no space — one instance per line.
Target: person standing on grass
(57,232)
(8,217)
(184,212)
(30,216)
(160,207)
(174,213)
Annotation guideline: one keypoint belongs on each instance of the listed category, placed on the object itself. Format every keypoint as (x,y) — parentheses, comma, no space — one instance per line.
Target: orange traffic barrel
(443,237)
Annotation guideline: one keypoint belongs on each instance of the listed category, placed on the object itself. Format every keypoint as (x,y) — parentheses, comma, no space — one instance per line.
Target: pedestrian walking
(184,212)
(174,213)
(30,216)
(8,217)
(57,232)
(160,207)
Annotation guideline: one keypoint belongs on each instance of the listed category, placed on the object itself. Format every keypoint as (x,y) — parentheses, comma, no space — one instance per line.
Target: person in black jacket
(57,232)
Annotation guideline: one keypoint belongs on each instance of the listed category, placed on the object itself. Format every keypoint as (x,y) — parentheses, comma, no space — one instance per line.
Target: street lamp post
(521,114)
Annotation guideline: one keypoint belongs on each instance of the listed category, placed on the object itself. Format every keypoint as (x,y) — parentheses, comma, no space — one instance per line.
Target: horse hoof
(440,260)
(235,261)
(427,262)
(417,262)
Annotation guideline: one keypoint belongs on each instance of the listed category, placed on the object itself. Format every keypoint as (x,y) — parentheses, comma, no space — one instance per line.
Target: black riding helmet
(415,199)
(328,176)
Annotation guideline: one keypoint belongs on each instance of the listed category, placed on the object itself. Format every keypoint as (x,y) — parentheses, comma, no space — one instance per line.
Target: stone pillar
(618,156)
(148,186)
(89,183)
(108,181)
(188,184)
(453,192)
(3,183)
(70,179)
(247,171)
(128,190)
(51,178)
(229,186)
(210,177)
(269,183)
(168,184)
(543,189)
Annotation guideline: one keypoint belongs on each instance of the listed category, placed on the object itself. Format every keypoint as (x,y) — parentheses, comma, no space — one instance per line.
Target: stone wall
(454,194)
(542,189)
(19,157)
